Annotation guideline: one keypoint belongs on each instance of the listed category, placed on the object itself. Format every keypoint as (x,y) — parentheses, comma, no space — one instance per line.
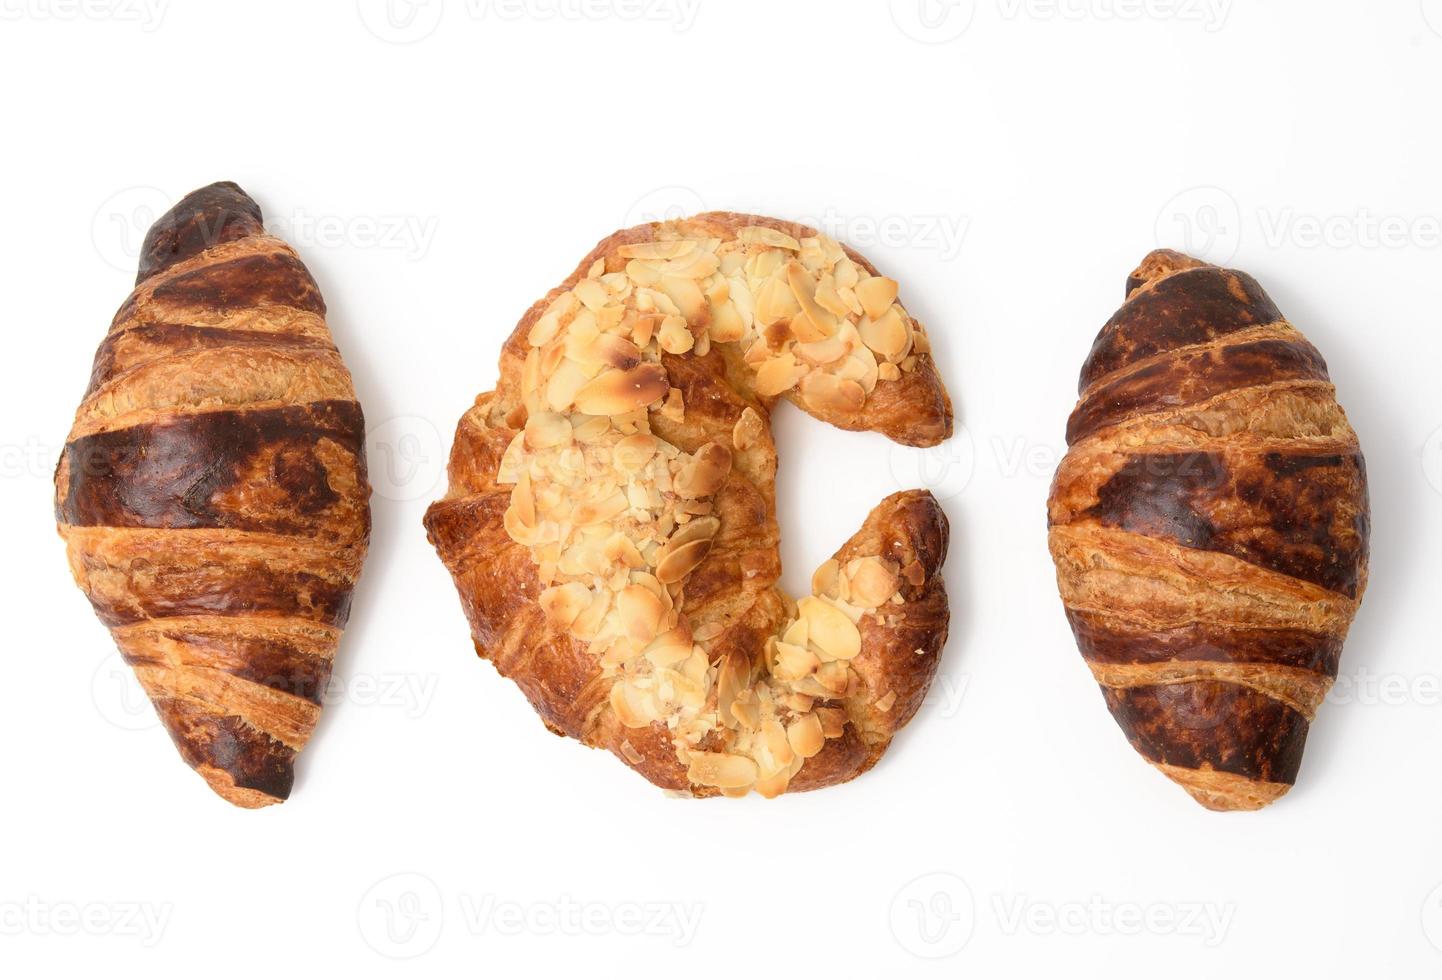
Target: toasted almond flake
(707,632)
(762,235)
(826,351)
(876,293)
(616,392)
(591,294)
(887,335)
(773,734)
(748,430)
(834,677)
(674,407)
(669,649)
(831,630)
(634,451)
(778,374)
(634,708)
(545,430)
(629,753)
(705,473)
(700,529)
(773,786)
(775,302)
(657,250)
(674,336)
(563,603)
(600,511)
(687,297)
(799,703)
(829,299)
(887,371)
(886,701)
(832,395)
(679,562)
(565,382)
(823,580)
(813,323)
(805,736)
(544,330)
(793,662)
(720,769)
(641,613)
(872,583)
(614,351)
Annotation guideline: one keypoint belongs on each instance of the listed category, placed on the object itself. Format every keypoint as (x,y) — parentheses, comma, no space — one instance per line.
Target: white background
(1009,162)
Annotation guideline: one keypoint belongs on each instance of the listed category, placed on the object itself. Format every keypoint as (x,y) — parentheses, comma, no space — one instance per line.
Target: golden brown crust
(1209,526)
(728,603)
(212,493)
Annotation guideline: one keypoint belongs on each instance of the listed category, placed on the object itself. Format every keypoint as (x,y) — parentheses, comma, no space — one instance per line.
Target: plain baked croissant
(1209,526)
(610,521)
(212,493)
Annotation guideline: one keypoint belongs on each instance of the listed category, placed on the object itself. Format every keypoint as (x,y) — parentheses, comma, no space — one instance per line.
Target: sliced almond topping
(617,392)
(887,335)
(674,336)
(823,580)
(872,583)
(679,562)
(748,429)
(687,296)
(775,302)
(773,786)
(886,701)
(762,235)
(565,382)
(887,371)
(599,511)
(641,613)
(722,770)
(634,451)
(544,330)
(778,374)
(705,473)
(547,429)
(657,250)
(813,322)
(793,662)
(805,736)
(634,708)
(700,529)
(614,351)
(829,299)
(876,294)
(592,294)
(563,603)
(831,629)
(832,395)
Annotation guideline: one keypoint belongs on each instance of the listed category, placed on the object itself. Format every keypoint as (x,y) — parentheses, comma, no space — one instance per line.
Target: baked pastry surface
(212,492)
(610,520)
(1209,526)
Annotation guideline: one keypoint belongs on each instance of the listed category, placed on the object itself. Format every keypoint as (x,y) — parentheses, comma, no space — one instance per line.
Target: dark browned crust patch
(249,469)
(1192,378)
(1189,307)
(1212,725)
(1106,642)
(252,758)
(271,663)
(202,219)
(1289,513)
(267,279)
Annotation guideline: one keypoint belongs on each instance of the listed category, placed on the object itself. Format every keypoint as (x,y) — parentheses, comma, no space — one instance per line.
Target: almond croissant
(212,493)
(1209,526)
(611,526)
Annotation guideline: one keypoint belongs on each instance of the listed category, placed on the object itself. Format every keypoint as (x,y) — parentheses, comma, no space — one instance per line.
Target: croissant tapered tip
(241,763)
(206,217)
(1224,791)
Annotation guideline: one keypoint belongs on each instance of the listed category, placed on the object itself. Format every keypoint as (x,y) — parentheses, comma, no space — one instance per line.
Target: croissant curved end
(610,522)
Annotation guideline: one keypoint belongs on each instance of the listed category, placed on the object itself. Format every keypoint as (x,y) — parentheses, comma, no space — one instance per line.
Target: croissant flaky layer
(610,522)
(212,493)
(1209,525)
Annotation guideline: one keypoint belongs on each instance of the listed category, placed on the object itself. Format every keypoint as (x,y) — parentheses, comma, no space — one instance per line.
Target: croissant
(212,493)
(1209,525)
(610,521)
